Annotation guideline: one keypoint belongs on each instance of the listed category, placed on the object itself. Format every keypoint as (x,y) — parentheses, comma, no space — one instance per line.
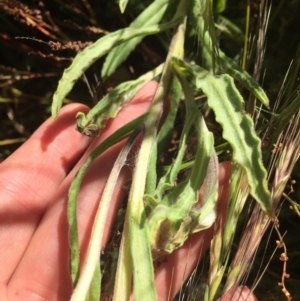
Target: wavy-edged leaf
(95,120)
(238,128)
(108,107)
(150,16)
(238,73)
(92,53)
(165,132)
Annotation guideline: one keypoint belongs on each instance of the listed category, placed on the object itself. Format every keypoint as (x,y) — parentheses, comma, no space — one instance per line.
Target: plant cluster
(259,138)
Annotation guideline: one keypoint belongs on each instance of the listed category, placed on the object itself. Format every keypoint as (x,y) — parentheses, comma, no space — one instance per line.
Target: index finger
(30,177)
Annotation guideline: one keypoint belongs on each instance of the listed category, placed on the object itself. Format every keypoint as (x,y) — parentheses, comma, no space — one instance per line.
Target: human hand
(34,183)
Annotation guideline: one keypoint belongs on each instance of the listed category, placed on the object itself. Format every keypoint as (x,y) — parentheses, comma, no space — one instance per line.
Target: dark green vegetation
(51,33)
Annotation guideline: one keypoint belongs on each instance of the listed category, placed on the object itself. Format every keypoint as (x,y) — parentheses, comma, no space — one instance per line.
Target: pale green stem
(122,288)
(135,245)
(143,273)
(140,249)
(246,41)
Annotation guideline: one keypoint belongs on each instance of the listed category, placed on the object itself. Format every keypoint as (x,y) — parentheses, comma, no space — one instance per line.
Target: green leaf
(150,16)
(165,133)
(92,53)
(236,71)
(168,180)
(122,5)
(108,107)
(238,128)
(219,6)
(205,216)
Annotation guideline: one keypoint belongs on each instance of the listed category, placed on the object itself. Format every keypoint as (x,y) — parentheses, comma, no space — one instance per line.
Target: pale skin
(34,183)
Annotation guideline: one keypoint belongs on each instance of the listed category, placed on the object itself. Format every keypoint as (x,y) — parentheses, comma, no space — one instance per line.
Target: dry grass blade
(223,237)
